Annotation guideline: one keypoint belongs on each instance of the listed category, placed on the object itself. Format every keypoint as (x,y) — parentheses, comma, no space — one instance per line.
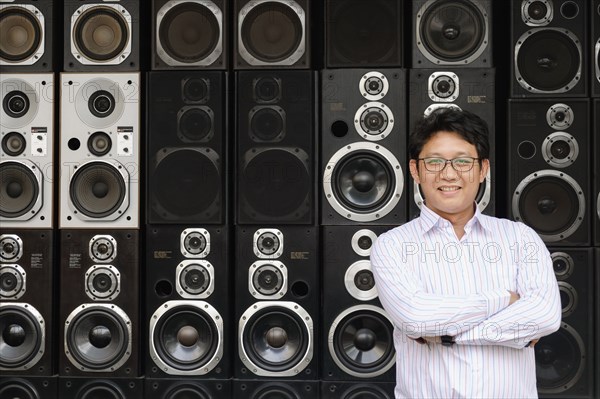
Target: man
(469,294)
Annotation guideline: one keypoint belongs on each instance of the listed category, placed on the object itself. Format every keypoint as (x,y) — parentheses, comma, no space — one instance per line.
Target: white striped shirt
(433,284)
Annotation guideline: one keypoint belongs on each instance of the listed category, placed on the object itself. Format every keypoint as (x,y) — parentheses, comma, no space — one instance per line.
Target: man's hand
(514,297)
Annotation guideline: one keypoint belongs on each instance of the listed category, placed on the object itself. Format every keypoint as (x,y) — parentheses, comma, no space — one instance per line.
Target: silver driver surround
(268,243)
(20,282)
(560,116)
(308,325)
(529,20)
(361,266)
(273,266)
(597,64)
(203,308)
(294,57)
(11,248)
(84,94)
(361,124)
(560,137)
(103,248)
(21,87)
(379,80)
(37,316)
(37,14)
(39,180)
(437,78)
(114,279)
(569,265)
(356,238)
(434,107)
(210,58)
(573,298)
(195,243)
(598,206)
(201,266)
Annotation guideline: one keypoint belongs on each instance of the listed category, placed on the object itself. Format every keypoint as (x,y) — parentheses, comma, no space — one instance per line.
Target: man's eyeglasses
(462,164)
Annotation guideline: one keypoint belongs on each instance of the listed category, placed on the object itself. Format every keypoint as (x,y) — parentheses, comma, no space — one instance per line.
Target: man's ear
(485,167)
(414,172)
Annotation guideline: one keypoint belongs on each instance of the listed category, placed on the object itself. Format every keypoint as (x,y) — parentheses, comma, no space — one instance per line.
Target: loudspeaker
(188,302)
(363,141)
(469,89)
(364,34)
(275,389)
(596,188)
(272,34)
(549,42)
(351,390)
(99,150)
(357,336)
(595,47)
(29,387)
(452,33)
(275,132)
(101,35)
(191,34)
(26,28)
(27,150)
(187,141)
(196,388)
(105,388)
(597,315)
(565,359)
(277,302)
(26,312)
(549,168)
(99,303)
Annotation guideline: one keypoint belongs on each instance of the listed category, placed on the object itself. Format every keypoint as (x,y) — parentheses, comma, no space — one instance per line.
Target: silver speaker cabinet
(100,150)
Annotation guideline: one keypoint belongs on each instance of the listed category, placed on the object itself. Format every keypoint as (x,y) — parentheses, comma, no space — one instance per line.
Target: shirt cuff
(496,300)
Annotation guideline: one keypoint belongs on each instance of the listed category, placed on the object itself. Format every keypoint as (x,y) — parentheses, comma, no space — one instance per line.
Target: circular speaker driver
(21,336)
(97,189)
(19,189)
(101,33)
(21,34)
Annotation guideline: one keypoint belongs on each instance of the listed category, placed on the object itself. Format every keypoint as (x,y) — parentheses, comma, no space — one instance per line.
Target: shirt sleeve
(419,313)
(538,311)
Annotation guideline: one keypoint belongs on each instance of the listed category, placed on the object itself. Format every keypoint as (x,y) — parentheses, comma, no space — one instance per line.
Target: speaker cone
(14,144)
(99,144)
(276,391)
(267,279)
(11,248)
(102,282)
(196,90)
(187,391)
(21,336)
(100,390)
(101,33)
(12,282)
(365,391)
(18,389)
(21,33)
(19,189)
(195,279)
(195,124)
(15,104)
(98,189)
(267,124)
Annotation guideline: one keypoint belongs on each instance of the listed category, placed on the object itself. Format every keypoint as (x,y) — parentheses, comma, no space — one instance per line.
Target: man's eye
(434,161)
(462,161)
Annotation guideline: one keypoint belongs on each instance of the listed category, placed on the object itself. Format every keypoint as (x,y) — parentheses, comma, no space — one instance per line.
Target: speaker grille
(19,190)
(21,33)
(101,33)
(97,189)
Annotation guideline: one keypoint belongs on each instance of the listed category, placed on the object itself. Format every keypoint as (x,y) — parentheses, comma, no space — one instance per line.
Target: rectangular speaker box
(549,178)
(469,89)
(277,296)
(569,371)
(26,290)
(29,387)
(350,305)
(348,390)
(26,40)
(99,298)
(275,147)
(596,155)
(452,33)
(549,42)
(188,280)
(27,150)
(190,35)
(272,35)
(187,140)
(595,48)
(249,389)
(99,150)
(101,36)
(363,146)
(79,387)
(196,388)
(362,34)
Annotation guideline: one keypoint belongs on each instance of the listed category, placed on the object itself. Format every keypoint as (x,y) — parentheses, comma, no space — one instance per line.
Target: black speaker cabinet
(595,47)
(597,315)
(188,301)
(549,42)
(364,33)
(26,28)
(197,388)
(101,36)
(452,33)
(271,34)
(350,390)
(565,359)
(275,132)
(186,146)
(248,389)
(191,34)
(26,297)
(595,206)
(549,168)
(469,89)
(363,146)
(27,150)
(29,387)
(99,303)
(277,302)
(357,334)
(105,388)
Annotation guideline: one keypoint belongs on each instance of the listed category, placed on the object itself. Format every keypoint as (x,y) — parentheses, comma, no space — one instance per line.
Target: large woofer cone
(21,33)
(22,336)
(366,391)
(100,390)
(98,189)
(98,337)
(275,182)
(19,189)
(19,389)
(361,341)
(548,60)
(186,183)
(451,31)
(187,391)
(186,337)
(101,33)
(550,202)
(560,360)
(189,32)
(271,32)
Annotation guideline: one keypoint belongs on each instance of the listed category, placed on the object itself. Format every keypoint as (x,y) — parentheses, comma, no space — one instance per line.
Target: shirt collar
(429,219)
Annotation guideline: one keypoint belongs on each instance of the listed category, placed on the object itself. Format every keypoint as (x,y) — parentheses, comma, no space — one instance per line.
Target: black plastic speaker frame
(197,388)
(275,389)
(595,206)
(29,387)
(595,48)
(349,390)
(109,388)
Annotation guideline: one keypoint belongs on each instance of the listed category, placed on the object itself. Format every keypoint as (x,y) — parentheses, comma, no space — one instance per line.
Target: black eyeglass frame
(451,162)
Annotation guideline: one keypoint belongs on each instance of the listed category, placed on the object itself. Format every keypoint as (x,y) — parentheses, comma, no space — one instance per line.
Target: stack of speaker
(553,174)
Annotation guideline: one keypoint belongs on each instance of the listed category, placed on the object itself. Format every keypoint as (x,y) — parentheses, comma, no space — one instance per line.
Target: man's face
(448,192)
